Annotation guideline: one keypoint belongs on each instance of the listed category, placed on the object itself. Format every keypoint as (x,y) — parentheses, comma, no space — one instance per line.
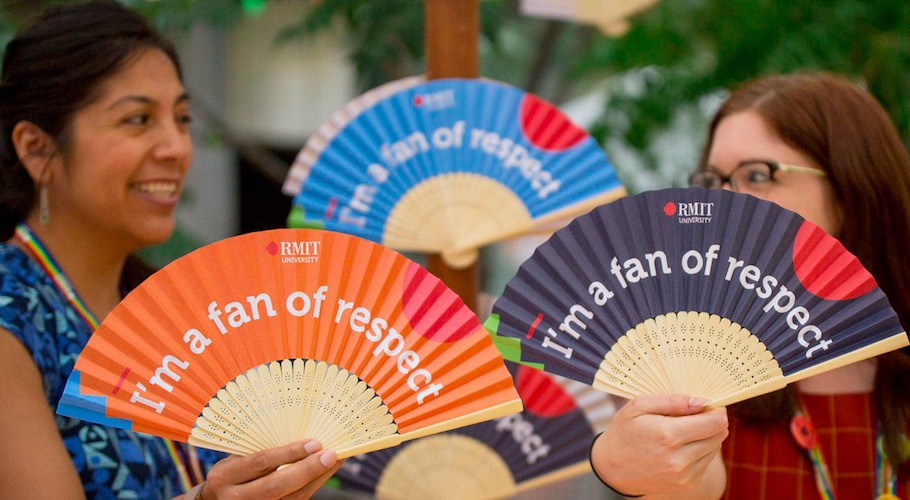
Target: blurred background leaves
(665,72)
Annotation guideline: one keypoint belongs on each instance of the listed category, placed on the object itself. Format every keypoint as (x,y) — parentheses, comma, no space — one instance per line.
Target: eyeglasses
(752,177)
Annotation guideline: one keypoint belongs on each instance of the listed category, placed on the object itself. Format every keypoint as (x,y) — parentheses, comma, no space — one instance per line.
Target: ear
(34,147)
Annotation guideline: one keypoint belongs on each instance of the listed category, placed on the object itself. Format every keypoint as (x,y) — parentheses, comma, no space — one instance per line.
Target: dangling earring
(44,206)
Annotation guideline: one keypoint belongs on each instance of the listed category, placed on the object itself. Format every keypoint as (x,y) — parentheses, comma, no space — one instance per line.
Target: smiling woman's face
(127,155)
(744,136)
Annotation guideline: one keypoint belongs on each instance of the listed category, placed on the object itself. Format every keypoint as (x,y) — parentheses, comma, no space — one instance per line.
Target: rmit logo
(700,209)
(435,100)
(300,248)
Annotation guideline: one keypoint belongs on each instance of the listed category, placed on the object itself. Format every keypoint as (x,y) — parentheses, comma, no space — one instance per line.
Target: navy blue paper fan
(702,292)
(545,443)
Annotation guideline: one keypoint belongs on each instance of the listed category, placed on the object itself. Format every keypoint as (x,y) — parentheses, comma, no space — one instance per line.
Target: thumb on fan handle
(663,446)
(296,470)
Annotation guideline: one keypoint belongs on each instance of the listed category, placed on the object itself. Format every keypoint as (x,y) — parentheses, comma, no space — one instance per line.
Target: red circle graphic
(541,395)
(826,268)
(433,309)
(547,127)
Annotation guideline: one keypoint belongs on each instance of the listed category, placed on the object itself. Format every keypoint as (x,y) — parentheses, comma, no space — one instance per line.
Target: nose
(174,143)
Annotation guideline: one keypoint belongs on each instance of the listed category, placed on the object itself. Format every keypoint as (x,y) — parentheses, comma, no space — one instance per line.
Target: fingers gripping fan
(447,166)
(547,442)
(266,338)
(701,292)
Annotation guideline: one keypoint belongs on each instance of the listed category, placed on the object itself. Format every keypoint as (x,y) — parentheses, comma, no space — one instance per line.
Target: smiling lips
(162,189)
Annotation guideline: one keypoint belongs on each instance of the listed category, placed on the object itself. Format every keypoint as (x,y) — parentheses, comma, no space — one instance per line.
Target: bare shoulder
(30,444)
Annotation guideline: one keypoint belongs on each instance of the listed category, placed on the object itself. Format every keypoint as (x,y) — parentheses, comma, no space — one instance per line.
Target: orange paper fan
(263,339)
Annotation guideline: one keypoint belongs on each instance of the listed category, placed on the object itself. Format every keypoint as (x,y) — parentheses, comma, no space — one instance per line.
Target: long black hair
(54,68)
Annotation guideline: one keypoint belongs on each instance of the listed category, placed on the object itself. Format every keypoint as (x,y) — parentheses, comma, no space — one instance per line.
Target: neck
(854,378)
(92,267)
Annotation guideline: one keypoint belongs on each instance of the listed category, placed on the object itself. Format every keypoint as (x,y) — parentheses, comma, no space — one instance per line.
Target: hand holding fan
(266,338)
(547,442)
(701,292)
(447,166)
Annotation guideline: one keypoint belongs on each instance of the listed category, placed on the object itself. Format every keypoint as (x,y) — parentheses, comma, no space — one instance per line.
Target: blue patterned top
(112,463)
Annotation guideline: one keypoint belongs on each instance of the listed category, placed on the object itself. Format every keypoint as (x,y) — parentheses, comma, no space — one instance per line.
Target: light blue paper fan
(447,166)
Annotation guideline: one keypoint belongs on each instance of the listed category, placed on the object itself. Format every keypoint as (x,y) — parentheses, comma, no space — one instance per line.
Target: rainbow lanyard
(189,475)
(805,435)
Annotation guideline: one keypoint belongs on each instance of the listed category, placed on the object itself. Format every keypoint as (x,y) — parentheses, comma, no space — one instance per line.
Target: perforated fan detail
(288,400)
(688,353)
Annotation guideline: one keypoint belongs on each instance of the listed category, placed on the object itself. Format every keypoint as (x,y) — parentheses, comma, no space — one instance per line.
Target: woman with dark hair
(94,150)
(823,147)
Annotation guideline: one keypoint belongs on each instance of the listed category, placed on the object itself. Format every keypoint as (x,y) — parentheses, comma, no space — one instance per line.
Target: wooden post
(452,32)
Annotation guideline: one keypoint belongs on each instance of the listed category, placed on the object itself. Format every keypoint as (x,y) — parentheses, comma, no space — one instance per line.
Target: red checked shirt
(766,463)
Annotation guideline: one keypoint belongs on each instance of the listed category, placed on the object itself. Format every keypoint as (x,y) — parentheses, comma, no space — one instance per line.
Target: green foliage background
(693,49)
(681,52)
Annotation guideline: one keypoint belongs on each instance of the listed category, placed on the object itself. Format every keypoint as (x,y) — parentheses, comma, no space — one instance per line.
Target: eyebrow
(711,166)
(755,160)
(141,99)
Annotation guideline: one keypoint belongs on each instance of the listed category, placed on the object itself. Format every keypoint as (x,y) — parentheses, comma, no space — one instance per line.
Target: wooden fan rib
(360,432)
(697,354)
(246,392)
(625,359)
(666,328)
(313,376)
(220,414)
(242,392)
(324,411)
(447,466)
(283,397)
(212,441)
(222,425)
(456,211)
(872,350)
(259,379)
(308,375)
(616,377)
(644,344)
(698,357)
(354,421)
(211,431)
